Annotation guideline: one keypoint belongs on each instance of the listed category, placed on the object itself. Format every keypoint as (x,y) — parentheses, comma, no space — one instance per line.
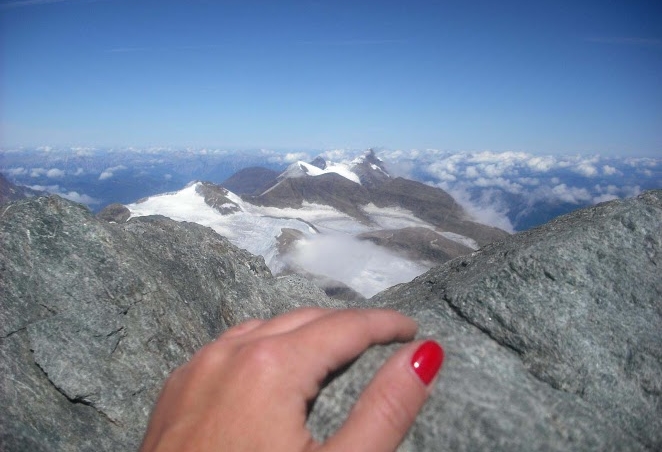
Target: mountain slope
(347,223)
(435,206)
(11,192)
(353,186)
(250,181)
(329,189)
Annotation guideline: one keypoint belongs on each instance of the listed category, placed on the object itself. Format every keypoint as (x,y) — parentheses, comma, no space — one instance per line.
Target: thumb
(389,405)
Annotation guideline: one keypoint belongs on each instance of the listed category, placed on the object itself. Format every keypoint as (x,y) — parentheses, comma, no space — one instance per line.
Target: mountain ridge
(324,199)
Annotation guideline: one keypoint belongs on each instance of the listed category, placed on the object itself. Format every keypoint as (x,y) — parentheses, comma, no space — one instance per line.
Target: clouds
(609,170)
(292,157)
(55,173)
(19,171)
(362,265)
(110,172)
(51,173)
(64,193)
(510,190)
(488,208)
(586,167)
(572,195)
(541,164)
(518,190)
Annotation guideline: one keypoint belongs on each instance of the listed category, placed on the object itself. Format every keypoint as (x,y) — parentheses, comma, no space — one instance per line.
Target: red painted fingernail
(427,361)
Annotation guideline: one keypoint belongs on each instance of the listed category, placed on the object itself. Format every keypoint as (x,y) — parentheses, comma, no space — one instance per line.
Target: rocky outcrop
(553,339)
(11,192)
(553,336)
(95,315)
(115,213)
(216,197)
(370,169)
(251,181)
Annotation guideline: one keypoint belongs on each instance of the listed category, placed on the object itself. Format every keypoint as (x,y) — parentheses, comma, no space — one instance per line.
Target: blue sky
(564,77)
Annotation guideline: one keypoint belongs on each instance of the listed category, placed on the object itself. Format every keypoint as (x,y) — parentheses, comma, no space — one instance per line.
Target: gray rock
(553,339)
(11,192)
(251,181)
(116,213)
(95,315)
(419,244)
(216,197)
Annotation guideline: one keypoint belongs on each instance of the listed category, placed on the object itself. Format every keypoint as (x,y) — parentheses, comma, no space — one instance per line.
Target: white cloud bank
(362,265)
(64,193)
(51,173)
(502,188)
(110,172)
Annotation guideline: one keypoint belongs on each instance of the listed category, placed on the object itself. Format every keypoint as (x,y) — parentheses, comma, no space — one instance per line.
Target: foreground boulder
(553,336)
(95,315)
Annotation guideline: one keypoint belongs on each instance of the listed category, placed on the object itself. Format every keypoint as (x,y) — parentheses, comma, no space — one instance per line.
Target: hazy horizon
(510,190)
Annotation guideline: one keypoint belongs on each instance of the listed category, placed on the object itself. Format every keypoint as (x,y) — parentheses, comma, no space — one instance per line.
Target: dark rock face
(330,189)
(553,337)
(427,203)
(434,206)
(250,181)
(95,315)
(371,170)
(11,192)
(216,197)
(115,213)
(319,162)
(420,244)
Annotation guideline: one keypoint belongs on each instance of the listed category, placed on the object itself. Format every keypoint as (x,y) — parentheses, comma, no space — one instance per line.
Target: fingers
(330,341)
(281,324)
(388,407)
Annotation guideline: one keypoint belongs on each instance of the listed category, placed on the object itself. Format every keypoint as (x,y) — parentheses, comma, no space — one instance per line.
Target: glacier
(329,247)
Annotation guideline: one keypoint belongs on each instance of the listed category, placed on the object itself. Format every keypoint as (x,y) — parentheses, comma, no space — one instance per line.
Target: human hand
(249,389)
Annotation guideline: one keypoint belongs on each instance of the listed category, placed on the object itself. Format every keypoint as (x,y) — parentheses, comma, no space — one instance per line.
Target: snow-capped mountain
(367,170)
(343,224)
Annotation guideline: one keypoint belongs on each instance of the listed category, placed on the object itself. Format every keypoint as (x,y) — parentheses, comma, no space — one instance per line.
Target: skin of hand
(249,389)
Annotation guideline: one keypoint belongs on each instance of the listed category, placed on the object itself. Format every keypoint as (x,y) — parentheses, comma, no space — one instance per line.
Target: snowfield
(329,247)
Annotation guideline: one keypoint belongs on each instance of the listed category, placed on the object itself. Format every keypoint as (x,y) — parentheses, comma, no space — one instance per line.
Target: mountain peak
(319,162)
(370,169)
(370,157)
(318,167)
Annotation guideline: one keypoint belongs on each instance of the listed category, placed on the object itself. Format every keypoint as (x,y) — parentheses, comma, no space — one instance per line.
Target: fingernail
(427,361)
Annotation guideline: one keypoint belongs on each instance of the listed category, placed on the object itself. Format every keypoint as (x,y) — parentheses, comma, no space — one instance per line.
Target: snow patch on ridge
(301,169)
(329,247)
(255,233)
(399,218)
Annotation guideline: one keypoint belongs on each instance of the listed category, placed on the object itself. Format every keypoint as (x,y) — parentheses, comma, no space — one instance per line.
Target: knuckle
(206,359)
(240,329)
(265,354)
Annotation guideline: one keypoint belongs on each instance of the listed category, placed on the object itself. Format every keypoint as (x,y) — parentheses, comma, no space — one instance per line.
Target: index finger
(329,342)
